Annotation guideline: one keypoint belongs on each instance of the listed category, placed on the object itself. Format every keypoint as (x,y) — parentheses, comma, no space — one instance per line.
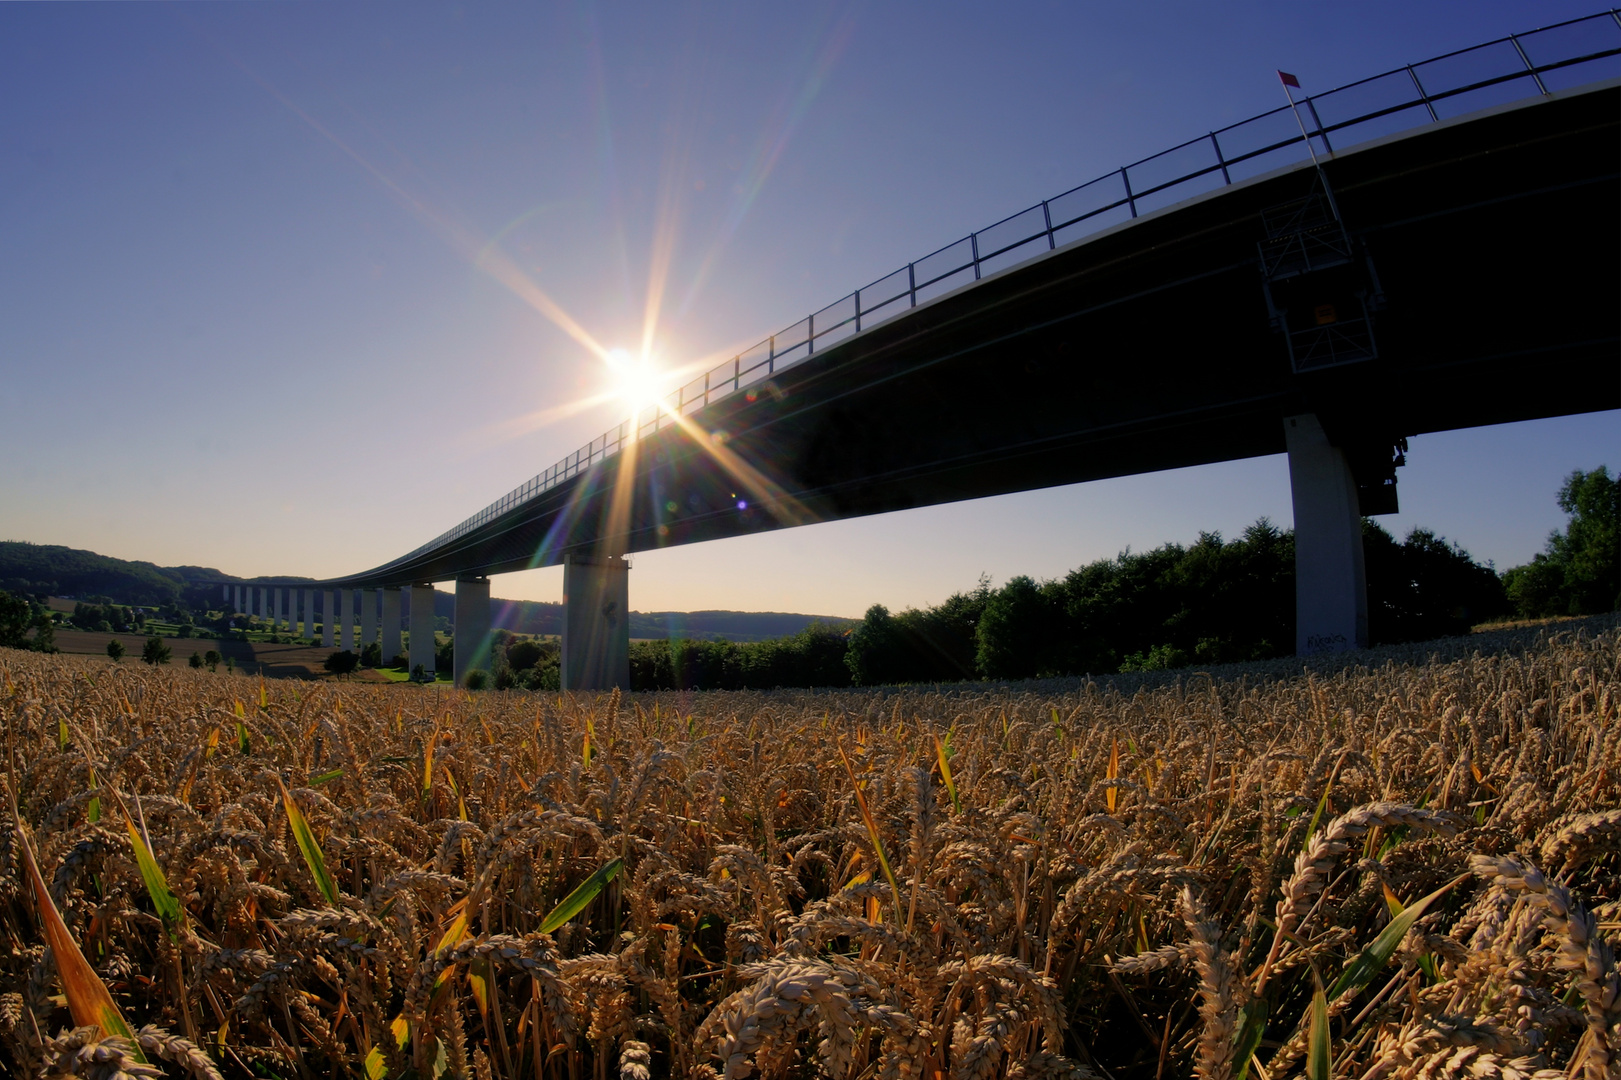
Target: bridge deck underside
(1150,347)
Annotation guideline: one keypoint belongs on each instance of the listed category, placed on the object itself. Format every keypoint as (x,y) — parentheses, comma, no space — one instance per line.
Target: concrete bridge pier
(281,603)
(472,638)
(309,615)
(389,635)
(596,622)
(1331,591)
(346,619)
(264,602)
(422,627)
(292,612)
(368,617)
(329,619)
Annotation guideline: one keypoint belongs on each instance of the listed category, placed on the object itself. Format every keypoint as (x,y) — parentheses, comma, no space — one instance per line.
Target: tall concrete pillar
(225,596)
(329,619)
(264,602)
(368,617)
(309,614)
(281,597)
(472,638)
(346,619)
(292,612)
(1331,591)
(596,622)
(389,636)
(422,627)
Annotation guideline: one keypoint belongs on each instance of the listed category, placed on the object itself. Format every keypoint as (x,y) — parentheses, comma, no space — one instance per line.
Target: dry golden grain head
(1153,884)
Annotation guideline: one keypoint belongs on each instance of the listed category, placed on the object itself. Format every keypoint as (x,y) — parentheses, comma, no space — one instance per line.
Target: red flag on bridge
(1288,80)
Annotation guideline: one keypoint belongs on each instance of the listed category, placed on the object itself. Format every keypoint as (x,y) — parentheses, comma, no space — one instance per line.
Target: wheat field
(1409,871)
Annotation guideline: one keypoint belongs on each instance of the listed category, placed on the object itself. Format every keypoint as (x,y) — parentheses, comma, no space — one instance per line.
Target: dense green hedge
(813,657)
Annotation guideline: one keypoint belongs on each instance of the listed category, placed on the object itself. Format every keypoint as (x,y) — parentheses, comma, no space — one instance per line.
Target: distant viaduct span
(1432,248)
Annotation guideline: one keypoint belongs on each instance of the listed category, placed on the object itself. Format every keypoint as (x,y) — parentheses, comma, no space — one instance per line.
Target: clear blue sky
(275,277)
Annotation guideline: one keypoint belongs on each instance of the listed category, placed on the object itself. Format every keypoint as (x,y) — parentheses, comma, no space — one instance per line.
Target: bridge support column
(309,615)
(280,601)
(422,627)
(264,602)
(596,622)
(329,619)
(236,603)
(390,628)
(368,617)
(346,619)
(472,643)
(1331,592)
(292,612)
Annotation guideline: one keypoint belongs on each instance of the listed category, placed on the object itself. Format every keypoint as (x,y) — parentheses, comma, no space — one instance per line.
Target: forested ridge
(54,570)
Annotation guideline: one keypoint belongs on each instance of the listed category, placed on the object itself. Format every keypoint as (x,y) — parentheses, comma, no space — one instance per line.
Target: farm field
(299,661)
(1402,870)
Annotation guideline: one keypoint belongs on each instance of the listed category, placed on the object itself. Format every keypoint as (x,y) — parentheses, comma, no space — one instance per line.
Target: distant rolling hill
(64,571)
(534,617)
(48,569)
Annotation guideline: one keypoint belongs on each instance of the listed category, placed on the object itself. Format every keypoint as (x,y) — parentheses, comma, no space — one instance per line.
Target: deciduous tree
(1579,572)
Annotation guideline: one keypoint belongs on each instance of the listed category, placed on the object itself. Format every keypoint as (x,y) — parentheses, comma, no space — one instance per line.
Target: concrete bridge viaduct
(1432,248)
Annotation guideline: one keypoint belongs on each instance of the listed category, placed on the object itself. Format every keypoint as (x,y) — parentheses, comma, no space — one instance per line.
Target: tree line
(1215,601)
(1211,602)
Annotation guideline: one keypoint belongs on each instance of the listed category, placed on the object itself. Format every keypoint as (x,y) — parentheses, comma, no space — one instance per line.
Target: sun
(636,379)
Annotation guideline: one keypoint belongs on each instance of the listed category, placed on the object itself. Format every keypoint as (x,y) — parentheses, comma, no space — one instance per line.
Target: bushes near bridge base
(812,657)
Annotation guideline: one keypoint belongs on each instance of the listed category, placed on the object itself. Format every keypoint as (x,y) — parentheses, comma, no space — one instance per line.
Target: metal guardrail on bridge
(1538,62)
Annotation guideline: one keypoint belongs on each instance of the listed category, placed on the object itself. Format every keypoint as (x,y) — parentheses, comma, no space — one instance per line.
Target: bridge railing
(1508,69)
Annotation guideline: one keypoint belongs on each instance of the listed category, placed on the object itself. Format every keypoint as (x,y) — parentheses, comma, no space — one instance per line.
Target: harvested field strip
(1004,882)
